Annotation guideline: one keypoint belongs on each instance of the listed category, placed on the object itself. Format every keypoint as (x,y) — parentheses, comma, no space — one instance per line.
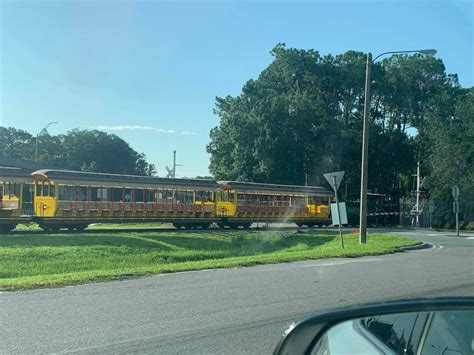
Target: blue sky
(149,71)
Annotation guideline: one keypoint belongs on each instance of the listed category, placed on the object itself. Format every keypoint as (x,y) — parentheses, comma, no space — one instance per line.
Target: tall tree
(450,158)
(84,150)
(302,117)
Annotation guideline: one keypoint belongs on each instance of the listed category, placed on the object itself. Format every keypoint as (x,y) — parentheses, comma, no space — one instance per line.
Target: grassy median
(45,260)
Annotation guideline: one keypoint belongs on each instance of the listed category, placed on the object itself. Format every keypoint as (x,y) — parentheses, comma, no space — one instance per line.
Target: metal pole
(457,217)
(174,163)
(365,153)
(338,213)
(417,215)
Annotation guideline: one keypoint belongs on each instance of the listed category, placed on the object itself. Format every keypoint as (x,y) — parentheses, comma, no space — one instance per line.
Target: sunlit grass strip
(30,261)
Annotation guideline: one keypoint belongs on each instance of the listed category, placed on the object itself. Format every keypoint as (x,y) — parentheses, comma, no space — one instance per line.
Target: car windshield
(193,176)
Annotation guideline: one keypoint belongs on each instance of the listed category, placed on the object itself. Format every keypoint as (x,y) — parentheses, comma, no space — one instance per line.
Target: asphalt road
(240,310)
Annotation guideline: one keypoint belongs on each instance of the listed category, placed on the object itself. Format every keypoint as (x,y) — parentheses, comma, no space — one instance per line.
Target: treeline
(84,150)
(302,117)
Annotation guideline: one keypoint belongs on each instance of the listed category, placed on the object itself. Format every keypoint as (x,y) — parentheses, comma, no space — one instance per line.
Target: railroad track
(157,230)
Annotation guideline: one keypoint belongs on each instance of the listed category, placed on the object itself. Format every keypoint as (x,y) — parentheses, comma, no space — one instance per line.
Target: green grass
(100,226)
(45,260)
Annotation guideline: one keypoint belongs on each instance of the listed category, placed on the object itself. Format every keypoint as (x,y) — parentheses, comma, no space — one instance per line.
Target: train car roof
(15,174)
(274,188)
(81,177)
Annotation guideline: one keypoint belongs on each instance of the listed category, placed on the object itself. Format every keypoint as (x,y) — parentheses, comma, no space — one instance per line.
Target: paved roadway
(241,310)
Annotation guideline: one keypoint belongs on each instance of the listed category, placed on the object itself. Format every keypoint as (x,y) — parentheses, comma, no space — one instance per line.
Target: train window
(179,196)
(38,189)
(169,196)
(199,196)
(82,193)
(117,194)
(149,196)
(102,193)
(95,194)
(189,197)
(300,201)
(45,188)
(139,195)
(52,190)
(61,192)
(159,197)
(127,195)
(72,193)
(207,196)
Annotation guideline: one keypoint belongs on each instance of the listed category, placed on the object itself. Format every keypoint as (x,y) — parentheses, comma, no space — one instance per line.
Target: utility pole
(417,209)
(172,171)
(365,137)
(418,195)
(365,156)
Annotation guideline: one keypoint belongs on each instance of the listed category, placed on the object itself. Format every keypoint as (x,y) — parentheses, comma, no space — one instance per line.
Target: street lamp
(38,134)
(365,139)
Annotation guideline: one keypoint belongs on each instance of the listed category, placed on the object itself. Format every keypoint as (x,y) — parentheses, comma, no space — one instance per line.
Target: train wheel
(7,228)
(80,228)
(221,225)
(246,226)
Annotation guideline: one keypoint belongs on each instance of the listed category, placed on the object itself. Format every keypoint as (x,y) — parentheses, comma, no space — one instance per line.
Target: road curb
(417,247)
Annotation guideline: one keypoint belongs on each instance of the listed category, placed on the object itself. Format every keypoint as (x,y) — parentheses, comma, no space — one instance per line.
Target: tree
(84,150)
(450,158)
(16,143)
(302,117)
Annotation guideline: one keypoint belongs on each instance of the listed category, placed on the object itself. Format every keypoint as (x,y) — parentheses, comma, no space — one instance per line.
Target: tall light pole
(38,134)
(365,138)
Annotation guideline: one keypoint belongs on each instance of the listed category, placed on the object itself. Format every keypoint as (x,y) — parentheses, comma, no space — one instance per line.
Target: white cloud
(189,133)
(123,128)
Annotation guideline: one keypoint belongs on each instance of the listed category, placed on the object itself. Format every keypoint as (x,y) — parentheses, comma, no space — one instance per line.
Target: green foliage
(303,117)
(86,150)
(40,260)
(450,152)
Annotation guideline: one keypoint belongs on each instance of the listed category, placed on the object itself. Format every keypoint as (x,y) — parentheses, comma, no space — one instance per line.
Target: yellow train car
(73,199)
(16,197)
(243,203)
